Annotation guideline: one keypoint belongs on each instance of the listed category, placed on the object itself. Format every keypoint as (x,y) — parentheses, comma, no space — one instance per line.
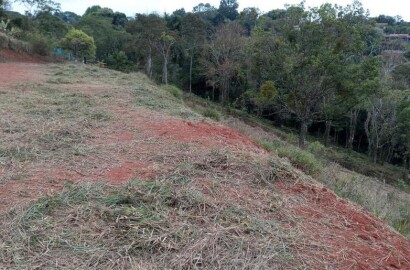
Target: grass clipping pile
(174,222)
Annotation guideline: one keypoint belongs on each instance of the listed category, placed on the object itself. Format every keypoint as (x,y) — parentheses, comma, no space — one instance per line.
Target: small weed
(101,116)
(401,184)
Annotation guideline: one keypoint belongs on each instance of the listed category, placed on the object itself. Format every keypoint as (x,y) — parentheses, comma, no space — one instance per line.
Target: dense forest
(329,71)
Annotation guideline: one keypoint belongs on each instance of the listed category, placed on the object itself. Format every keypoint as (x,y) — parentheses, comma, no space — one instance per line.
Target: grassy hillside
(351,175)
(105,170)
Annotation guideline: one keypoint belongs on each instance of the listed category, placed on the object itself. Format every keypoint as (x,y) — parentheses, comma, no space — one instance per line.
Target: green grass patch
(173,90)
(302,159)
(211,113)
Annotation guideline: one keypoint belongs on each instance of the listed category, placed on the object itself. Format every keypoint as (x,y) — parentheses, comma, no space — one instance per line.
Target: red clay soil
(17,73)
(206,134)
(333,232)
(8,56)
(344,235)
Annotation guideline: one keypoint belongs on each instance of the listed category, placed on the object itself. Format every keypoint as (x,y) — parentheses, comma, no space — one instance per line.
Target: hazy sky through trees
(130,7)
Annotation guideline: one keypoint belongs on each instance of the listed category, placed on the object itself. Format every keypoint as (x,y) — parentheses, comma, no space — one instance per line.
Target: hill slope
(104,170)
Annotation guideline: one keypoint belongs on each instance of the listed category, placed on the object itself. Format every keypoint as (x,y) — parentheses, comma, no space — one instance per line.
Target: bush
(4,41)
(119,61)
(211,113)
(299,158)
(317,148)
(41,45)
(173,90)
(8,42)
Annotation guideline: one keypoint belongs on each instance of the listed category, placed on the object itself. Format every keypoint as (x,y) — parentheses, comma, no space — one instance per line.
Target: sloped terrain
(104,170)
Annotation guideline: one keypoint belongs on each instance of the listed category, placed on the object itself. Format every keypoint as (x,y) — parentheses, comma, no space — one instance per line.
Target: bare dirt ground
(146,143)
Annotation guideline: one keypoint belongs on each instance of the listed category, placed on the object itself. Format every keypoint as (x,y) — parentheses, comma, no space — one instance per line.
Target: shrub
(211,113)
(303,160)
(119,61)
(41,45)
(316,148)
(299,158)
(173,90)
(4,41)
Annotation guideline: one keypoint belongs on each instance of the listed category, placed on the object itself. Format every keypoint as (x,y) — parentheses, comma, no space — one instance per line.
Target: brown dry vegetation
(103,170)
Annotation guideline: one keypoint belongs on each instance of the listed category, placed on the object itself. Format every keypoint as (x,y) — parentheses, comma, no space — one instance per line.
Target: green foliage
(229,9)
(299,158)
(302,159)
(108,38)
(268,90)
(401,76)
(317,148)
(35,6)
(79,43)
(119,61)
(173,90)
(211,113)
(41,45)
(50,25)
(266,96)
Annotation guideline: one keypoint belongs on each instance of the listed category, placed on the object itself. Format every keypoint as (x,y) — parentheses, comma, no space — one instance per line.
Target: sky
(131,7)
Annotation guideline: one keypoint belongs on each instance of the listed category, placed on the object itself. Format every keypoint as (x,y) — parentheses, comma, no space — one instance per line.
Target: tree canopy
(79,43)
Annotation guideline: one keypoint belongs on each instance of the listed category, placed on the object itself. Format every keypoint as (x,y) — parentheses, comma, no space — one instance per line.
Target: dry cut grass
(173,222)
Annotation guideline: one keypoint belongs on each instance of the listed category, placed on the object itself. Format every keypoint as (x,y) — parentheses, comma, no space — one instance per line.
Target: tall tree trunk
(149,64)
(375,153)
(190,72)
(360,143)
(389,154)
(327,132)
(408,169)
(368,135)
(352,128)
(302,134)
(165,71)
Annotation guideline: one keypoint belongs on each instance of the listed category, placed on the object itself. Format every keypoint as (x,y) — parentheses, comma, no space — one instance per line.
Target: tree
(209,14)
(79,43)
(68,17)
(222,57)
(315,43)
(146,30)
(357,81)
(193,32)
(175,19)
(401,76)
(107,37)
(49,25)
(381,124)
(5,5)
(266,96)
(39,5)
(2,8)
(261,58)
(229,9)
(117,19)
(404,127)
(248,18)
(119,61)
(164,45)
